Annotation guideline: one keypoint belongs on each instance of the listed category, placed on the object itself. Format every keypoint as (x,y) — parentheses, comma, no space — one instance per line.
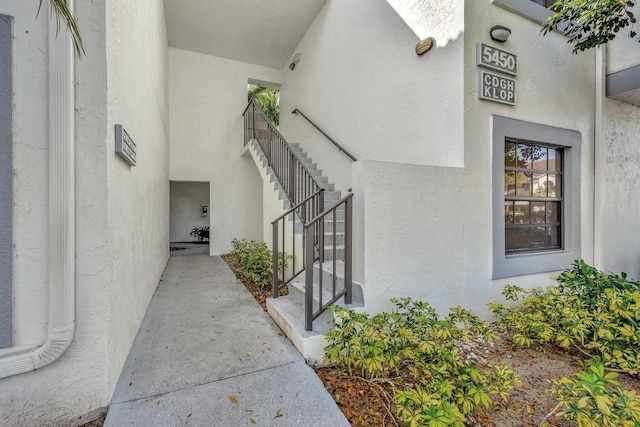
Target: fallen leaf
(529,410)
(278,414)
(189,416)
(252,421)
(233,399)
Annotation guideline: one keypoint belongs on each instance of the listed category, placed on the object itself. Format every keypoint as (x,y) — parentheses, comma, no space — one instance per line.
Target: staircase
(316,224)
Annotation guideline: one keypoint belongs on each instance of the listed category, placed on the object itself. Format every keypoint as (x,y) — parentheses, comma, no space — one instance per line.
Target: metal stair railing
(306,195)
(338,146)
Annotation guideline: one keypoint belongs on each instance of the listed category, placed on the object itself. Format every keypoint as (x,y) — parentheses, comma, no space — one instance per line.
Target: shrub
(594,398)
(256,261)
(201,233)
(594,312)
(417,353)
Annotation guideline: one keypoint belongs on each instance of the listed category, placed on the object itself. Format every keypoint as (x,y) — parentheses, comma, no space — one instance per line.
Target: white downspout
(599,156)
(61,323)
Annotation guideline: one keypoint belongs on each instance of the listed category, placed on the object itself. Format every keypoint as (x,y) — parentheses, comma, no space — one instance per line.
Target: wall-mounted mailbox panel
(125,146)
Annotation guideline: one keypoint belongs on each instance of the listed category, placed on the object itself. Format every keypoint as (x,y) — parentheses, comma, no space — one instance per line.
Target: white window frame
(518,264)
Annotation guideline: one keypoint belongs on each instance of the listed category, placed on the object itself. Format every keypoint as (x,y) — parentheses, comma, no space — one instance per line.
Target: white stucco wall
(623,52)
(121,213)
(76,384)
(187,199)
(138,196)
(554,88)
(360,80)
(621,211)
(207,97)
(427,231)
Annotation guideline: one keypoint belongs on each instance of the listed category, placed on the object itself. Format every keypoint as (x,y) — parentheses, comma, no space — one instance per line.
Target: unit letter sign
(125,146)
(496,88)
(496,59)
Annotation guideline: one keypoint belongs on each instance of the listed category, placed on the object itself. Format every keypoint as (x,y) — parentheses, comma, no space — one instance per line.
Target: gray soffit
(625,85)
(262,32)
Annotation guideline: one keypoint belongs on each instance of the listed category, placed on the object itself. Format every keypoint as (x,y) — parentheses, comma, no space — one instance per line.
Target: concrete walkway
(208,355)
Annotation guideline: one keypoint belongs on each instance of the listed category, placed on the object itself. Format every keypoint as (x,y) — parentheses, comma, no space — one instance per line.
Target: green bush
(594,398)
(594,312)
(417,353)
(256,261)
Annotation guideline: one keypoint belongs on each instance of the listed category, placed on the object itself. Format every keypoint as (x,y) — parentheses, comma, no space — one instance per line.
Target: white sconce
(296,59)
(499,33)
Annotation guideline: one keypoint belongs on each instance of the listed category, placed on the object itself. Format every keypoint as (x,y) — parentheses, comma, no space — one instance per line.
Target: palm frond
(63,13)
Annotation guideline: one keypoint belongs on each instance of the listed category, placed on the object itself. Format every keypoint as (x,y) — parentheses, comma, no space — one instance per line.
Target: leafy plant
(417,354)
(256,261)
(64,13)
(594,398)
(590,23)
(201,233)
(268,99)
(594,312)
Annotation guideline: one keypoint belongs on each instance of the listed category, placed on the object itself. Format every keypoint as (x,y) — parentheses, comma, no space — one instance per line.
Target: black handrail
(340,147)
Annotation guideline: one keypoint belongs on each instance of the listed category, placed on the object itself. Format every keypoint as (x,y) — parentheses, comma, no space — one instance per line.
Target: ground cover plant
(596,313)
(560,387)
(416,356)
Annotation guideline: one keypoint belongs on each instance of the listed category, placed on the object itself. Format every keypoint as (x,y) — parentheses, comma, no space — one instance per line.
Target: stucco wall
(187,199)
(623,52)
(207,97)
(138,196)
(121,212)
(621,217)
(6,183)
(554,88)
(361,81)
(76,384)
(427,231)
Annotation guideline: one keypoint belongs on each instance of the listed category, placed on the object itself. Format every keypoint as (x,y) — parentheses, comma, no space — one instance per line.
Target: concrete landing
(208,355)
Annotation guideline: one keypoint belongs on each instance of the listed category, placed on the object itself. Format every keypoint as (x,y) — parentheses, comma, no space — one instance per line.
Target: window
(532,196)
(535,197)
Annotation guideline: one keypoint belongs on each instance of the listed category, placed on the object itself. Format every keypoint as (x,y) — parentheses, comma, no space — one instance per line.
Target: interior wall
(207,97)
(360,80)
(187,199)
(138,196)
(6,183)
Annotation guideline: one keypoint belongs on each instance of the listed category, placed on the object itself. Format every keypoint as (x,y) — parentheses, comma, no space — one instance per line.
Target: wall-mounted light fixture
(296,59)
(425,45)
(499,33)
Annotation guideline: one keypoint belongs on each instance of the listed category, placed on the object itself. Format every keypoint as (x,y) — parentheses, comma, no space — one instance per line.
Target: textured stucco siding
(6,184)
(621,219)
(360,80)
(207,97)
(138,196)
(74,387)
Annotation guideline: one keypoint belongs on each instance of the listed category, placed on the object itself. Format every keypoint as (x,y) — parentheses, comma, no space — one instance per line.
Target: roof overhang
(624,85)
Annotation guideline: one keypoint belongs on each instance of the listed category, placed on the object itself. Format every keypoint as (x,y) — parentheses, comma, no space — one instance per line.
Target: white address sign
(496,59)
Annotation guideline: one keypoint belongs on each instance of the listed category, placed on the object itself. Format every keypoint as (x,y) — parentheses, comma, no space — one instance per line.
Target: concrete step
(297,287)
(329,238)
(289,316)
